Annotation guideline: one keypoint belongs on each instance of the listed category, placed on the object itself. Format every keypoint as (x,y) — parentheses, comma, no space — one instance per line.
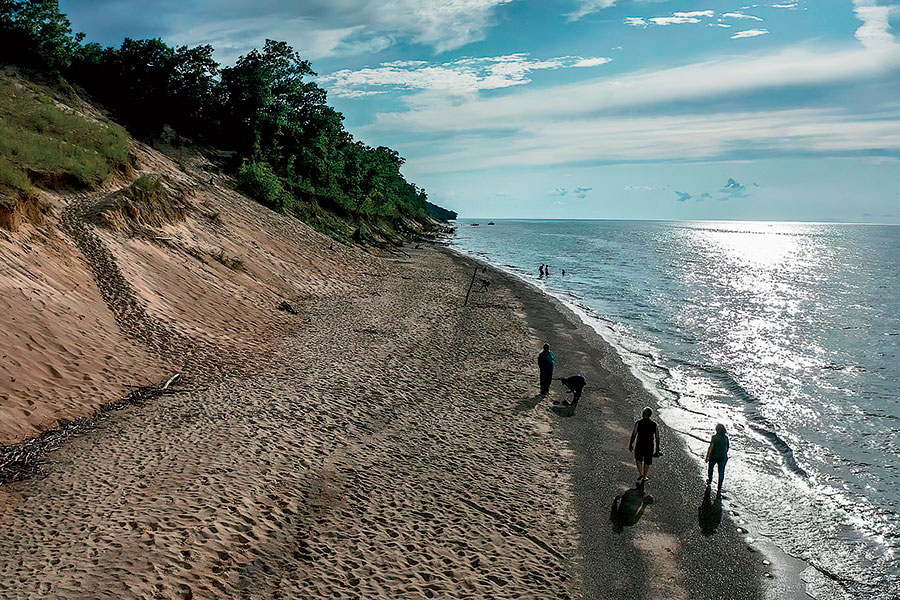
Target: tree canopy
(266,108)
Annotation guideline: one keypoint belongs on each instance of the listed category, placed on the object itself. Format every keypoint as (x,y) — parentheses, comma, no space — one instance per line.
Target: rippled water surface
(789,334)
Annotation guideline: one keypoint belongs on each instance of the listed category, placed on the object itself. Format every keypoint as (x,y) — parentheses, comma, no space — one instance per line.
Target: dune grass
(38,134)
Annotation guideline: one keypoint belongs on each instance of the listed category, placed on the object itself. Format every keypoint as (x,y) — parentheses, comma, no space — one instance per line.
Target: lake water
(787,333)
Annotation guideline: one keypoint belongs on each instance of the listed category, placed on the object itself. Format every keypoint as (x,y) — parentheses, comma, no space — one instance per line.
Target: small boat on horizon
(491,223)
(474,224)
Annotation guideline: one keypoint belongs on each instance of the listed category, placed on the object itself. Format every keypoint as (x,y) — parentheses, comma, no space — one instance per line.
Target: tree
(269,103)
(35,34)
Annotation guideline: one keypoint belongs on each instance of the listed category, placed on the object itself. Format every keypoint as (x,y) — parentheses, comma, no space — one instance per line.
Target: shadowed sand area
(393,446)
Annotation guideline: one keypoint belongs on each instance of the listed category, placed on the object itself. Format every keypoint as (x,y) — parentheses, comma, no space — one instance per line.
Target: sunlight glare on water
(787,333)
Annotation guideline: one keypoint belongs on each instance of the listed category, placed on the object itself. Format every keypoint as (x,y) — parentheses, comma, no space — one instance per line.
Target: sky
(623,109)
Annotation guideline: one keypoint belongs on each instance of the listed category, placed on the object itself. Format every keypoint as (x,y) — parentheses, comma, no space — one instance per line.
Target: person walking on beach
(717,454)
(546,361)
(575,384)
(642,436)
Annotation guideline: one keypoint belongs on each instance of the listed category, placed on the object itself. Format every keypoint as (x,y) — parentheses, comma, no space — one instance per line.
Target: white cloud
(588,7)
(592,62)
(789,5)
(458,77)
(442,24)
(666,138)
(796,66)
(737,15)
(584,122)
(676,18)
(748,33)
(875,32)
(673,20)
(330,27)
(696,13)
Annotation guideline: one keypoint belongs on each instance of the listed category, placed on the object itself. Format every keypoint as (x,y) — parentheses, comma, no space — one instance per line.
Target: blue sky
(648,109)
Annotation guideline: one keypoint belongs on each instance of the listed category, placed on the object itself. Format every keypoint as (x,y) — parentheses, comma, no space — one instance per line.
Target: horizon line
(893,224)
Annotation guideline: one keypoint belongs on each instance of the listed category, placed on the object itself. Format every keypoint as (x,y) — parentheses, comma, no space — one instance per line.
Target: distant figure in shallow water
(717,454)
(546,361)
(642,436)
(575,384)
(563,272)
(541,269)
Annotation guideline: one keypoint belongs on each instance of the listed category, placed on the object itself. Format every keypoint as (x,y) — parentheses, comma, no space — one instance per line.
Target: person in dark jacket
(546,361)
(642,436)
(717,454)
(575,384)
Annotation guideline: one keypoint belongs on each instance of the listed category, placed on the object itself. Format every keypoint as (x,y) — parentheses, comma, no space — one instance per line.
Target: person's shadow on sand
(627,508)
(526,404)
(709,515)
(563,410)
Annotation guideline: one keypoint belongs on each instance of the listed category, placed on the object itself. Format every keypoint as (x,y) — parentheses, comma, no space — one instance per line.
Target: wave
(760,424)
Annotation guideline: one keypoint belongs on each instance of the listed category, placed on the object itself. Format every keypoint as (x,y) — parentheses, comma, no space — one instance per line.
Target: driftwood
(23,460)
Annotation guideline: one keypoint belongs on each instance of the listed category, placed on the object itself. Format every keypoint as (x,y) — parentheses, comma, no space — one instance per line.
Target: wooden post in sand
(471,283)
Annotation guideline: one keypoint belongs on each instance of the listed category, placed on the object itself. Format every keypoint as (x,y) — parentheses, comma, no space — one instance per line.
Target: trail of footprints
(359,466)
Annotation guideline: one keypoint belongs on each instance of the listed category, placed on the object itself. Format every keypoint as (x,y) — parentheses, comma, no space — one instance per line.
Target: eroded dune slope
(92,304)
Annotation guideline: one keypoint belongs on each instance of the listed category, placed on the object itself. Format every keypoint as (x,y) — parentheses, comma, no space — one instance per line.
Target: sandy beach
(383,453)
(392,445)
(346,428)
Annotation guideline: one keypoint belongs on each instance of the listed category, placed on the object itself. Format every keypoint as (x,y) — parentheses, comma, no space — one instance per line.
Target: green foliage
(37,33)
(12,178)
(323,221)
(259,181)
(148,84)
(38,134)
(265,108)
(441,214)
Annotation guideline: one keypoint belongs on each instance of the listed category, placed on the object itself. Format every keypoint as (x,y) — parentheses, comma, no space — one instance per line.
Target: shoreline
(393,446)
(622,386)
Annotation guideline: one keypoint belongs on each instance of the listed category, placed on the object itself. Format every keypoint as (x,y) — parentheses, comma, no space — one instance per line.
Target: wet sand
(393,446)
(679,546)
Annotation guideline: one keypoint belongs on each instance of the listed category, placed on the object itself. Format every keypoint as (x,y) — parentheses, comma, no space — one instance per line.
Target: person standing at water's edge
(546,361)
(717,454)
(642,437)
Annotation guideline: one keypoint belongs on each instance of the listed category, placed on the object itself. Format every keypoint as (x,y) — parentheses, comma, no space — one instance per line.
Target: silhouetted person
(541,269)
(546,361)
(563,272)
(717,454)
(574,384)
(709,515)
(642,437)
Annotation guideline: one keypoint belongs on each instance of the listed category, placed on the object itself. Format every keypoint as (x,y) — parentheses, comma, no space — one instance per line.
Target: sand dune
(90,309)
